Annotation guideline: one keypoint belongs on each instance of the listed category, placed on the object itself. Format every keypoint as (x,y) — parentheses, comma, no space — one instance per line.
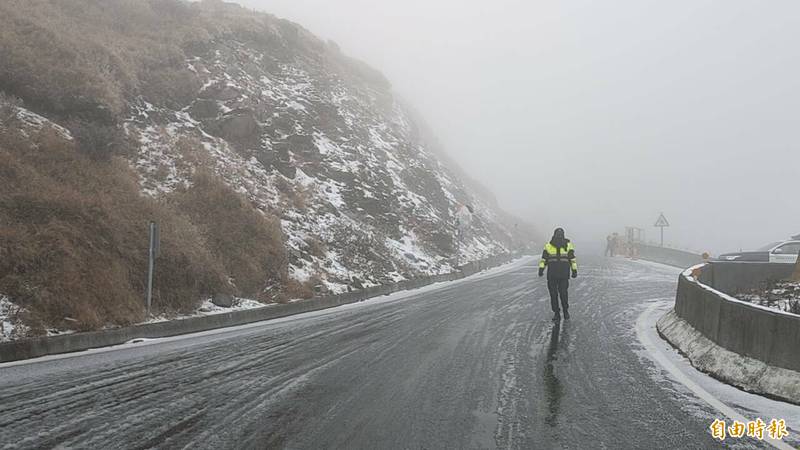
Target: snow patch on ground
(691,275)
(38,123)
(11,326)
(722,398)
(782,295)
(207,308)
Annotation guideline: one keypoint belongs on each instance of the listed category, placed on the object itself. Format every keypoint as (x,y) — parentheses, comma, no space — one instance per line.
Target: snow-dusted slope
(318,140)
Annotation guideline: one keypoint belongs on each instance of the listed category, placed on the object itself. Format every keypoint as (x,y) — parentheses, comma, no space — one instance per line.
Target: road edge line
(680,377)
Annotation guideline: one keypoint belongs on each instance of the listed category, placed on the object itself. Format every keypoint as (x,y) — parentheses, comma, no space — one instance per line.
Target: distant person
(610,246)
(559,259)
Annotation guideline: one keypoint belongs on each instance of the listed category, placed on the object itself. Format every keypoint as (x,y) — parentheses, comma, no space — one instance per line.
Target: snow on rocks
(11,326)
(239,304)
(208,308)
(339,162)
(27,121)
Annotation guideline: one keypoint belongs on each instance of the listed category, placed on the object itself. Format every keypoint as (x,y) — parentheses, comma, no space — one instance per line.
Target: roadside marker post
(662,223)
(153,250)
(464,215)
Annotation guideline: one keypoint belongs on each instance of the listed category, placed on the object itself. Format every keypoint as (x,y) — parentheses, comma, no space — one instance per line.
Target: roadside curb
(749,346)
(748,374)
(51,345)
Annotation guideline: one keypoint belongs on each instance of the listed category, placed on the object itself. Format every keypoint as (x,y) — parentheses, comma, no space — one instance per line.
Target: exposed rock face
(319,139)
(239,128)
(304,132)
(223,300)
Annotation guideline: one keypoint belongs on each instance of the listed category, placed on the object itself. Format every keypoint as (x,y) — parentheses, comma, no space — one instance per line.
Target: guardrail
(743,344)
(668,256)
(49,345)
(761,333)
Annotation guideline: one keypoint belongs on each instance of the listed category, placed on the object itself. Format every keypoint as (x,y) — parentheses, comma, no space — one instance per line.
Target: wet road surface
(474,364)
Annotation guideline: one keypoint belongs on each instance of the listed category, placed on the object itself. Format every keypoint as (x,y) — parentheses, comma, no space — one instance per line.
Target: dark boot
(566,314)
(557,317)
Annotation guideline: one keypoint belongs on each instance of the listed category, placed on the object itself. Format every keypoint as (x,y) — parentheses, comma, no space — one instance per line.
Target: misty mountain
(276,165)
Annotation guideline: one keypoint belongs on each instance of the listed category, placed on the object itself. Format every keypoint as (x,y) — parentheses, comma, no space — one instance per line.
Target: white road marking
(657,355)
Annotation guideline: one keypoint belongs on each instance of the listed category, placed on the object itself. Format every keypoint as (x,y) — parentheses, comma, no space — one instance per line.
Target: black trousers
(558,288)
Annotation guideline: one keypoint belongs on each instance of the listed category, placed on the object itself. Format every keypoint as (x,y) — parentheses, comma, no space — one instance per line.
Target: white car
(776,252)
(786,252)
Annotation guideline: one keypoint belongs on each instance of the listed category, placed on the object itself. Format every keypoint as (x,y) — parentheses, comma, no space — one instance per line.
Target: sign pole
(458,252)
(463,219)
(151,259)
(662,223)
(458,242)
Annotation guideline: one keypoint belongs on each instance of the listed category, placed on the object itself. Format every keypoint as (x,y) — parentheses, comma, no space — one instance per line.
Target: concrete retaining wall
(35,347)
(669,256)
(762,334)
(741,371)
(732,277)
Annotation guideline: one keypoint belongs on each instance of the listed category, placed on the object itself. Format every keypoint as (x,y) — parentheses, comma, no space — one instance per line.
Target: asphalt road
(474,364)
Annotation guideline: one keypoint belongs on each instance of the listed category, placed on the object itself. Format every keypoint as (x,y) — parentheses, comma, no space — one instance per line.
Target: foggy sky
(596,115)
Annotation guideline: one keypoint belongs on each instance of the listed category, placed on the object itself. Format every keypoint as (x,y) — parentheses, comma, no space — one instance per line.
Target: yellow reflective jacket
(559,261)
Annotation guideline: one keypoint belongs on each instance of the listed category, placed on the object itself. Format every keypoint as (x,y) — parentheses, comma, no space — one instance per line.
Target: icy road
(471,364)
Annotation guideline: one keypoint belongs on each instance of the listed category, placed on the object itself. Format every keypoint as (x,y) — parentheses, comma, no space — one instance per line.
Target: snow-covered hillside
(277,166)
(317,139)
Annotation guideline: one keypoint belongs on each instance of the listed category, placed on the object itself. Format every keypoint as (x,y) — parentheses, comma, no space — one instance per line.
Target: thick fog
(596,115)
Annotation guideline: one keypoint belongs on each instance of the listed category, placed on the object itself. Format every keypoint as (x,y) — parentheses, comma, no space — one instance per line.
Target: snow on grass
(781,295)
(37,122)
(301,274)
(11,326)
(207,308)
(689,274)
(325,145)
(370,143)
(409,248)
(297,106)
(239,304)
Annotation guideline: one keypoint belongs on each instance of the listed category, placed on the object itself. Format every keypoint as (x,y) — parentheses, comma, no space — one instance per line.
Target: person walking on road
(610,246)
(558,258)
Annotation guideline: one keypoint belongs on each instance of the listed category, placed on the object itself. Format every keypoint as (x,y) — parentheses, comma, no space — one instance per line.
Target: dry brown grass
(121,48)
(250,245)
(73,225)
(296,196)
(316,247)
(87,58)
(73,238)
(297,289)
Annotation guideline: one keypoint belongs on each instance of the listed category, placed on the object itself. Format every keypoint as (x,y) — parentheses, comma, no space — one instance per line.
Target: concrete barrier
(49,345)
(669,256)
(759,334)
(733,277)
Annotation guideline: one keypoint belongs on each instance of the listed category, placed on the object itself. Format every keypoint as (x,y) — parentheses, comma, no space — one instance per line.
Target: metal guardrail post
(152,253)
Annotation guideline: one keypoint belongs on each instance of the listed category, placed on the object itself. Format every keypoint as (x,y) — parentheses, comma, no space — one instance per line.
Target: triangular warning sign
(662,221)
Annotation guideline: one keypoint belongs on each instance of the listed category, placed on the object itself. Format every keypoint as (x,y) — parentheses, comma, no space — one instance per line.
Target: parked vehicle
(776,252)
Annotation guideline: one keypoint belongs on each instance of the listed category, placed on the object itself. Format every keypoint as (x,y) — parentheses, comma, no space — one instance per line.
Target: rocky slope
(359,195)
(304,133)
